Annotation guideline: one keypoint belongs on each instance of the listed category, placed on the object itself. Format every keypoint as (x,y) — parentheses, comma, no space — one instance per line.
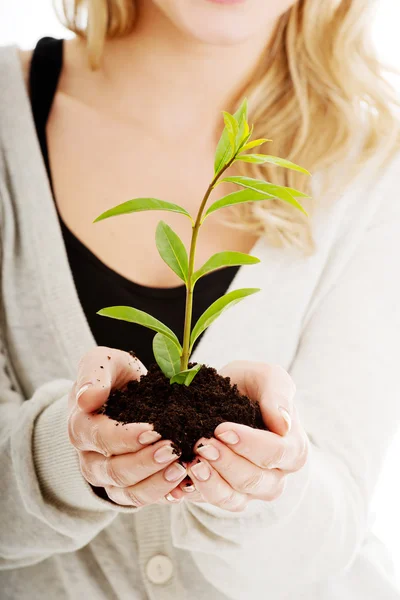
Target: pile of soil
(183,414)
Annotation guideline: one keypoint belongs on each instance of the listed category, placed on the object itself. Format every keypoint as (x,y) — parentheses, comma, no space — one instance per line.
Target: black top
(97,285)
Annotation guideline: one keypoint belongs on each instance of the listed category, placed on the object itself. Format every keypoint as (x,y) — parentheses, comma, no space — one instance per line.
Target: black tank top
(97,285)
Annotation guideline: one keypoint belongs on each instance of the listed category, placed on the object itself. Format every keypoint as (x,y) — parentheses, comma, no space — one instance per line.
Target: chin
(223,22)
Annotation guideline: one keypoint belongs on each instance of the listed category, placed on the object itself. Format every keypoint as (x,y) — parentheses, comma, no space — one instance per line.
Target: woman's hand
(241,463)
(128,461)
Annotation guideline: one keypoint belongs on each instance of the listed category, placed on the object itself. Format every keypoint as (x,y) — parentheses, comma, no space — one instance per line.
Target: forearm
(47,506)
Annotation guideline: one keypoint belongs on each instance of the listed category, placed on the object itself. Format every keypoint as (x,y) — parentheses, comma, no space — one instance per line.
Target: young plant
(235,141)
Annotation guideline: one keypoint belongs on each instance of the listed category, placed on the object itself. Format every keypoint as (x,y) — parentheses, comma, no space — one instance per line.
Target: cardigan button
(159,569)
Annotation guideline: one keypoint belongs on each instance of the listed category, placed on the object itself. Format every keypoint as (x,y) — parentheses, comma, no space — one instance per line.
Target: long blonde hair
(319,85)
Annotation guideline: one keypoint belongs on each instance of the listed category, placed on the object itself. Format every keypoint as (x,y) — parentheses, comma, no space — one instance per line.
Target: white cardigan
(332,320)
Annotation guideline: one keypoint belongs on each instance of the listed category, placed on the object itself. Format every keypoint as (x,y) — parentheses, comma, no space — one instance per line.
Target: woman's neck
(183,83)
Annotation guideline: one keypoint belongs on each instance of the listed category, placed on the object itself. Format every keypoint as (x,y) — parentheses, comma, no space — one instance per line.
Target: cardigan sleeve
(346,373)
(46,505)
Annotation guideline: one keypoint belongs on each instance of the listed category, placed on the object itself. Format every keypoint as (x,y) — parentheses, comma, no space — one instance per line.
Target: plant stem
(189,285)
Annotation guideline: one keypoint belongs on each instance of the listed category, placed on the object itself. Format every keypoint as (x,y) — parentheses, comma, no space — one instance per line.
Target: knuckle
(303,454)
(99,442)
(252,483)
(110,493)
(111,474)
(237,505)
(73,431)
(229,501)
(116,495)
(229,468)
(134,498)
(87,472)
(276,458)
(277,490)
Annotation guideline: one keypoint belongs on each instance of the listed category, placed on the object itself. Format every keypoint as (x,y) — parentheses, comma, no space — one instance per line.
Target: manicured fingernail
(201,471)
(165,454)
(171,498)
(229,437)
(148,437)
(174,472)
(188,488)
(83,389)
(286,417)
(208,451)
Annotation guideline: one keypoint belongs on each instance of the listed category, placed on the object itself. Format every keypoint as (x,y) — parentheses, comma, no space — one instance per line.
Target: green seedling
(170,355)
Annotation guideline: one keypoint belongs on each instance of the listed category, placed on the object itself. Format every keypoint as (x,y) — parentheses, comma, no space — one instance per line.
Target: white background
(24,21)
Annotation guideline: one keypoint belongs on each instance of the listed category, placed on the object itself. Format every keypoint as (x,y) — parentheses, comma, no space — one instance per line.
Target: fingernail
(165,454)
(208,451)
(229,437)
(83,389)
(174,472)
(286,417)
(171,498)
(201,471)
(148,437)
(188,488)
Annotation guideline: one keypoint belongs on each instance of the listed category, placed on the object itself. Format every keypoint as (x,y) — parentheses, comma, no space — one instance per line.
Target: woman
(132,107)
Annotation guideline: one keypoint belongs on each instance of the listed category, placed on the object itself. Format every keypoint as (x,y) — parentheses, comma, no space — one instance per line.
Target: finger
(129,469)
(178,494)
(169,499)
(100,370)
(149,491)
(265,449)
(98,433)
(271,386)
(241,474)
(187,491)
(214,489)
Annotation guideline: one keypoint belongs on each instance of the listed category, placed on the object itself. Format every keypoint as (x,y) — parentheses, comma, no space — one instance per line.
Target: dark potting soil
(183,414)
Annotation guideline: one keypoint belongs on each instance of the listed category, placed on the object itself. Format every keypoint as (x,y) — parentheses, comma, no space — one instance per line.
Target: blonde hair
(319,85)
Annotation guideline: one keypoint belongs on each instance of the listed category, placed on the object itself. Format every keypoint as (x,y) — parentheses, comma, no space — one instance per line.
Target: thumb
(276,399)
(101,370)
(271,386)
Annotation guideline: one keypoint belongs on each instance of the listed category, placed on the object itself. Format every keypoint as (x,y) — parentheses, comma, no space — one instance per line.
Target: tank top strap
(44,74)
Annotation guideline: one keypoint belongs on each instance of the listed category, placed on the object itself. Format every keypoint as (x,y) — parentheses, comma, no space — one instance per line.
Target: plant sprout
(235,141)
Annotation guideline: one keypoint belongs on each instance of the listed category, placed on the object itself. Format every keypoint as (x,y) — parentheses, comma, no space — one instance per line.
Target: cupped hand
(241,463)
(131,462)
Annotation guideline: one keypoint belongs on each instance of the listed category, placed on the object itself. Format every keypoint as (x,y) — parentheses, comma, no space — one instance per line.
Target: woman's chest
(97,162)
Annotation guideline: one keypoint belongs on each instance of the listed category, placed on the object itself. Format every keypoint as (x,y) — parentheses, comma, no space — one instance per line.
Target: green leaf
(232,129)
(261,159)
(133,315)
(257,184)
(139,205)
(278,191)
(217,308)
(186,377)
(172,250)
(246,138)
(297,193)
(167,355)
(254,143)
(241,117)
(224,259)
(224,151)
(238,198)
